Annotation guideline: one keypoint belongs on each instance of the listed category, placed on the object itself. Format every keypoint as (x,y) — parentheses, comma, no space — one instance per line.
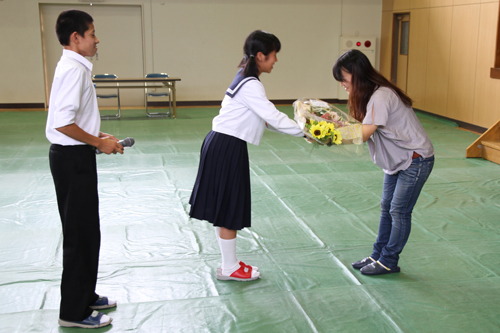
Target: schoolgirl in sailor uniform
(221,193)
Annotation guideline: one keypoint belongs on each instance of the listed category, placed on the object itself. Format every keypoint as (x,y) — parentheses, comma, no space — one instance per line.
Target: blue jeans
(400,195)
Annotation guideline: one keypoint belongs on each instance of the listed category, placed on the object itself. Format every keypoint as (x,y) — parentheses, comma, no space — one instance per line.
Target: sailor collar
(238,82)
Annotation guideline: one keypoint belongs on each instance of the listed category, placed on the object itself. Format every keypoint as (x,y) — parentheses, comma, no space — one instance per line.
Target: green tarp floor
(314,211)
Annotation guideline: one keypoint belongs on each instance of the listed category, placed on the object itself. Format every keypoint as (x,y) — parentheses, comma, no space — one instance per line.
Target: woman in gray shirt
(398,144)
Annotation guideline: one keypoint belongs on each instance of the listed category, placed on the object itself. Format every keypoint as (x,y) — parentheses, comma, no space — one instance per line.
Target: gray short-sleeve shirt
(399,132)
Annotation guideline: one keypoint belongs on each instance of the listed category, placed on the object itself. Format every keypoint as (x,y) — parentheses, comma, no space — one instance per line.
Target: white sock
(217,235)
(228,251)
(105,319)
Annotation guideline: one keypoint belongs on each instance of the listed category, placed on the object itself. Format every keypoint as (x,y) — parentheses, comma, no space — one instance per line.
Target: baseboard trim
(22,105)
(187,103)
(462,124)
(218,103)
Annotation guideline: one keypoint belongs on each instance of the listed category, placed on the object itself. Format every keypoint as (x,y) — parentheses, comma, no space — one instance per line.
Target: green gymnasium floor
(314,212)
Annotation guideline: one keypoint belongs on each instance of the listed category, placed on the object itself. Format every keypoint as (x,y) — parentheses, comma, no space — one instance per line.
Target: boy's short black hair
(70,21)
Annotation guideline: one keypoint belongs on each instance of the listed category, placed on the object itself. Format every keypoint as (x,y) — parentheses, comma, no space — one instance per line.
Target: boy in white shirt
(73,125)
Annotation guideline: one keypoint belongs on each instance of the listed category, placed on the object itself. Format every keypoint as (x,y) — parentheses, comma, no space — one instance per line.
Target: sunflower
(318,131)
(330,127)
(337,137)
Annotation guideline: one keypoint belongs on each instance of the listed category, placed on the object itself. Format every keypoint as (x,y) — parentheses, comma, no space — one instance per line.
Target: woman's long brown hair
(365,80)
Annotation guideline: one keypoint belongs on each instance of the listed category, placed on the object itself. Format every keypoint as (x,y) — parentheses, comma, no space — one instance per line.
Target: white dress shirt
(249,113)
(72,99)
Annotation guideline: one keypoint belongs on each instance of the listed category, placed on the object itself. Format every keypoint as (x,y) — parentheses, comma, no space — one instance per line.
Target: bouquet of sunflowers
(326,124)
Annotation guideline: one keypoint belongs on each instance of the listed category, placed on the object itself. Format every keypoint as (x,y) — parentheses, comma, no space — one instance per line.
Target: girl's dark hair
(365,80)
(257,41)
(70,21)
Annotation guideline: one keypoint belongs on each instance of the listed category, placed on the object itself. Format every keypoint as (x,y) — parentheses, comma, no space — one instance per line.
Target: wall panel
(465,2)
(401,5)
(463,52)
(416,4)
(387,5)
(438,57)
(440,3)
(417,64)
(386,44)
(487,96)
(459,48)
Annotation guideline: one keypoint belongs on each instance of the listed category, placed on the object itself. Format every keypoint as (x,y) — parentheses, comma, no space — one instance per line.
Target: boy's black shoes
(103,303)
(376,268)
(95,320)
(362,263)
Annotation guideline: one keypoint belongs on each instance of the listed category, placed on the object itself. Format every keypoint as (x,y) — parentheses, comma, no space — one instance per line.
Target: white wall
(201,42)
(362,18)
(21,61)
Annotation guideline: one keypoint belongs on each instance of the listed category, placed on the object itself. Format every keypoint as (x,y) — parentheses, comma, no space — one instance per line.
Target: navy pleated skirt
(221,193)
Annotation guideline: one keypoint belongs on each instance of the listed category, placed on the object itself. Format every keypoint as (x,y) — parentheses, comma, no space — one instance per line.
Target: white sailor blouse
(246,112)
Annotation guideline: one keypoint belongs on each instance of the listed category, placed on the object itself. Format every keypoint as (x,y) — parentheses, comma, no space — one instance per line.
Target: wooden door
(400,51)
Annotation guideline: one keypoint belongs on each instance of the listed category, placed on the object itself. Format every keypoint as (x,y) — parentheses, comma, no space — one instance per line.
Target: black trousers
(75,178)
